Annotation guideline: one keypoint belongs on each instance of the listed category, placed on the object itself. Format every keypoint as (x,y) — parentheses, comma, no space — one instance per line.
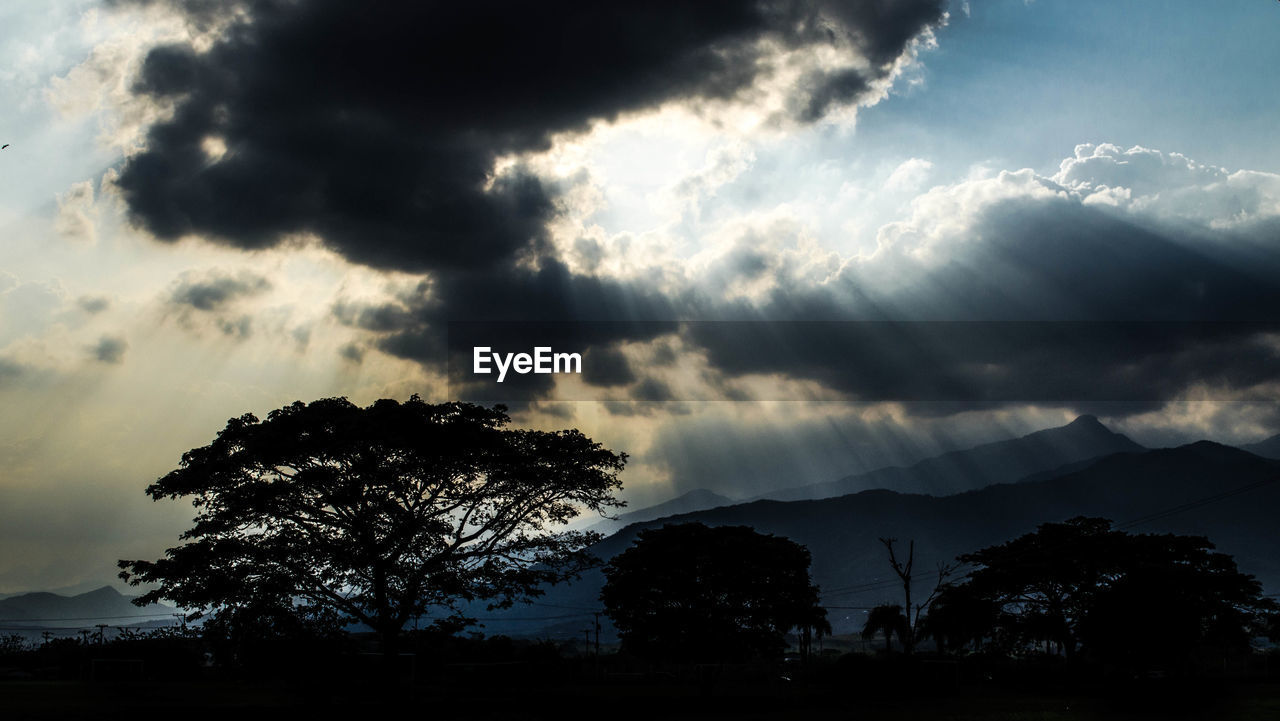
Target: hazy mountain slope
(105,605)
(1083,439)
(696,500)
(842,533)
(1269,448)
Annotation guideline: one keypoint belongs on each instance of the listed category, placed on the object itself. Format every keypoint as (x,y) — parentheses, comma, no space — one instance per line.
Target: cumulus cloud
(1170,186)
(909,175)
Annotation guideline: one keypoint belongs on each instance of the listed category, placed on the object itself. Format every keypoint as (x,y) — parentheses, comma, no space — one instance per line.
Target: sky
(214,207)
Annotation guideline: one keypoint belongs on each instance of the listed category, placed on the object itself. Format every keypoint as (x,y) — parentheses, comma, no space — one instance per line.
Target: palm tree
(887,619)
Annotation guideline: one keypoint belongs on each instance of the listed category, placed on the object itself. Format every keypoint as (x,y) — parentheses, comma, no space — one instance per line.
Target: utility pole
(597,634)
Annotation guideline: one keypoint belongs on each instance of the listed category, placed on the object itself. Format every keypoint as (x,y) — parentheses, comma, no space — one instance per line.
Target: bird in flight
(2,147)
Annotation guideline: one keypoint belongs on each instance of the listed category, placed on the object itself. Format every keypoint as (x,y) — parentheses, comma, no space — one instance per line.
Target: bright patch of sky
(1010,85)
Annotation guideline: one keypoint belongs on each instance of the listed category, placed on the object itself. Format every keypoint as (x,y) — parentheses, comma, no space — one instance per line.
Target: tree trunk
(389,641)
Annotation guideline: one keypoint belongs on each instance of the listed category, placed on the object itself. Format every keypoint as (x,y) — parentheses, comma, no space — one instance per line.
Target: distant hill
(1080,441)
(849,562)
(51,610)
(696,500)
(1269,448)
(74,590)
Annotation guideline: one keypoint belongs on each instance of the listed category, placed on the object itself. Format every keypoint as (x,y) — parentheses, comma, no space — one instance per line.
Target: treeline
(1072,599)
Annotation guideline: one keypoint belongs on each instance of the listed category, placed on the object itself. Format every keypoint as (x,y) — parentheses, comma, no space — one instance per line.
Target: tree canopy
(379,514)
(689,592)
(1082,586)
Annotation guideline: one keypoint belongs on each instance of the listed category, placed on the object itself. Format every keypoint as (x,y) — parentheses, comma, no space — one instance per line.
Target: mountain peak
(103,592)
(1007,461)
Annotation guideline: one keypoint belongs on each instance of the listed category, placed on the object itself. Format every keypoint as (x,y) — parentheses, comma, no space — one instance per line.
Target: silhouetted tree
(888,619)
(904,570)
(959,618)
(1044,580)
(689,592)
(1175,600)
(1125,599)
(377,514)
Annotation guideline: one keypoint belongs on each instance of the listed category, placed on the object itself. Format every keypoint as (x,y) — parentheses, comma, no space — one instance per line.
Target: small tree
(689,592)
(887,619)
(912,615)
(379,514)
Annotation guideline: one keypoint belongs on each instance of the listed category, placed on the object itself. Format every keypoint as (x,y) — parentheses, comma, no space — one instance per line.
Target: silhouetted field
(652,699)
(501,678)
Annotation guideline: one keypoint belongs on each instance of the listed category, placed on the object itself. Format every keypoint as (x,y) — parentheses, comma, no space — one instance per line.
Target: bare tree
(903,569)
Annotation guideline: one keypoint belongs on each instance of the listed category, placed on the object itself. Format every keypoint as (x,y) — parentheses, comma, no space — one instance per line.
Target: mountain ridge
(842,533)
(1083,439)
(698,499)
(54,610)
(1267,448)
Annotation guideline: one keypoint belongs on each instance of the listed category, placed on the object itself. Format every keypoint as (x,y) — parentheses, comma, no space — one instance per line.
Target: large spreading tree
(688,592)
(1139,601)
(378,515)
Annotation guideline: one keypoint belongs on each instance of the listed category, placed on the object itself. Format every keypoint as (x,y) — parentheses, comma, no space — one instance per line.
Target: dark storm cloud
(1049,301)
(606,368)
(513,310)
(652,390)
(214,290)
(376,126)
(827,90)
(109,349)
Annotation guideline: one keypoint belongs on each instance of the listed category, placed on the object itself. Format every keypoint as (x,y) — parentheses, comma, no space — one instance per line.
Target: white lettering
(575,358)
(523,363)
(542,361)
(502,367)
